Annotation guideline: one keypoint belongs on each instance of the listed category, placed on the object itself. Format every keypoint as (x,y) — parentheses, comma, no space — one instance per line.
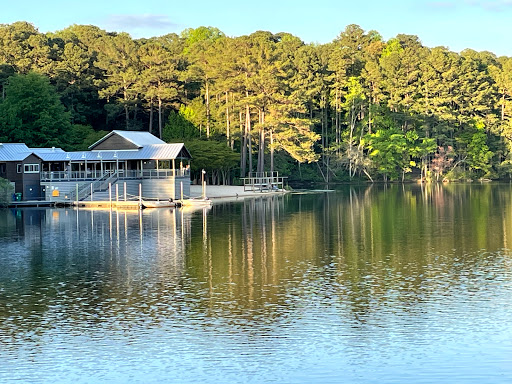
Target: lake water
(394,284)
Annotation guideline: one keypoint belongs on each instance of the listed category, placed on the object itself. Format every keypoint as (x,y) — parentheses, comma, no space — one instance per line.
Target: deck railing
(98,185)
(121,174)
(263,181)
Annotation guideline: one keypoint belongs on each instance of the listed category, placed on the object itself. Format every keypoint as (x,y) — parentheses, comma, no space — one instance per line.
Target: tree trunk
(227,119)
(503,106)
(126,111)
(127,116)
(232,142)
(261,151)
(207,101)
(271,152)
(337,116)
(248,134)
(243,152)
(151,115)
(160,116)
(323,131)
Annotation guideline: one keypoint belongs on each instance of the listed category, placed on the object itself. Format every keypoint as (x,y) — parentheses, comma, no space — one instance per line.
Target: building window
(31,168)
(18,168)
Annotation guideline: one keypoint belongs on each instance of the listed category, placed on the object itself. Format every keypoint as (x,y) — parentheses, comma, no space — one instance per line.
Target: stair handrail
(85,190)
(111,179)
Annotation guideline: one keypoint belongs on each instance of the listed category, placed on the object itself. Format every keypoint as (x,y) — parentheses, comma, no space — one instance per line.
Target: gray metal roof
(138,138)
(14,152)
(44,153)
(46,150)
(149,152)
(152,149)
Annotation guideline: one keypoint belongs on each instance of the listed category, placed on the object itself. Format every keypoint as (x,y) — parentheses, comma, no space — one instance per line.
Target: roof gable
(118,140)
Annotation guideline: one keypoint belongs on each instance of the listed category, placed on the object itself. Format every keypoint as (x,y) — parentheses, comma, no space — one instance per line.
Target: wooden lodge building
(122,160)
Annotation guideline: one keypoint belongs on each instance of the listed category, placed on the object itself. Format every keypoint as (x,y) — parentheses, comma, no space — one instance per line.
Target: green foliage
(387,148)
(211,155)
(81,137)
(392,47)
(479,155)
(32,113)
(180,126)
(356,105)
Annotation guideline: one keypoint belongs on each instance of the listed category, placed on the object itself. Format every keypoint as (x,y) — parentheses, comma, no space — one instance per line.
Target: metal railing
(121,174)
(274,174)
(98,185)
(263,182)
(73,175)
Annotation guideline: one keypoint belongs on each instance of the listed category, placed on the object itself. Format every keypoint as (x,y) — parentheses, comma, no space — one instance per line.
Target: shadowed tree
(32,113)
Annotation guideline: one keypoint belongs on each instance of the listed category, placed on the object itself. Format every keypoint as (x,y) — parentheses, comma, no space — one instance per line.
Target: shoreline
(223,192)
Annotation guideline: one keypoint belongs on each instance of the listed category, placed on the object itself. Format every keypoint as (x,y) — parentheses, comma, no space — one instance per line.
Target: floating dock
(36,203)
(130,204)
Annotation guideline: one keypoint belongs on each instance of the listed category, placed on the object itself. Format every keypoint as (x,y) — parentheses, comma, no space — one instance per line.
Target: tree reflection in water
(354,275)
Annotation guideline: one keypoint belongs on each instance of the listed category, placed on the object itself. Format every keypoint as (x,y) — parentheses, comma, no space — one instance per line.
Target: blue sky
(456,24)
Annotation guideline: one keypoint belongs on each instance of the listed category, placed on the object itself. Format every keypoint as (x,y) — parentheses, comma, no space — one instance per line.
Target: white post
(110,194)
(181,188)
(203,183)
(140,195)
(125,191)
(77,194)
(91,192)
(117,193)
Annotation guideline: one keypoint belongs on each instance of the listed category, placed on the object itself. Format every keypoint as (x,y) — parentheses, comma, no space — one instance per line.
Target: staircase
(100,185)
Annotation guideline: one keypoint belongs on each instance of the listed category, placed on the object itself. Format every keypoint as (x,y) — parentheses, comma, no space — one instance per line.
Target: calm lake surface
(364,285)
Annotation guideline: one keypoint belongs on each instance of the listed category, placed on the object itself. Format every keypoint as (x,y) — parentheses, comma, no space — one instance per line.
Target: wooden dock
(130,204)
(36,203)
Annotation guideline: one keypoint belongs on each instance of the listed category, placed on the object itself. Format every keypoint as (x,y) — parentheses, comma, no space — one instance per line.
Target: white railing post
(140,194)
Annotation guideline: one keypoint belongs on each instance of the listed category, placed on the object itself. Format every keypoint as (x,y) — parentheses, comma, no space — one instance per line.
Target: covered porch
(88,166)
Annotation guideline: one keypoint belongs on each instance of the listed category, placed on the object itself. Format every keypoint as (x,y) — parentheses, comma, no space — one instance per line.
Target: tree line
(356,108)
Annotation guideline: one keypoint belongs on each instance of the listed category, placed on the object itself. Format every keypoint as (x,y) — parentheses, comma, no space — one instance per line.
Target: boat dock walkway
(36,203)
(214,192)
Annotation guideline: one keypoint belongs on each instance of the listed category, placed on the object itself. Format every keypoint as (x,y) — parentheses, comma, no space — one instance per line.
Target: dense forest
(358,108)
